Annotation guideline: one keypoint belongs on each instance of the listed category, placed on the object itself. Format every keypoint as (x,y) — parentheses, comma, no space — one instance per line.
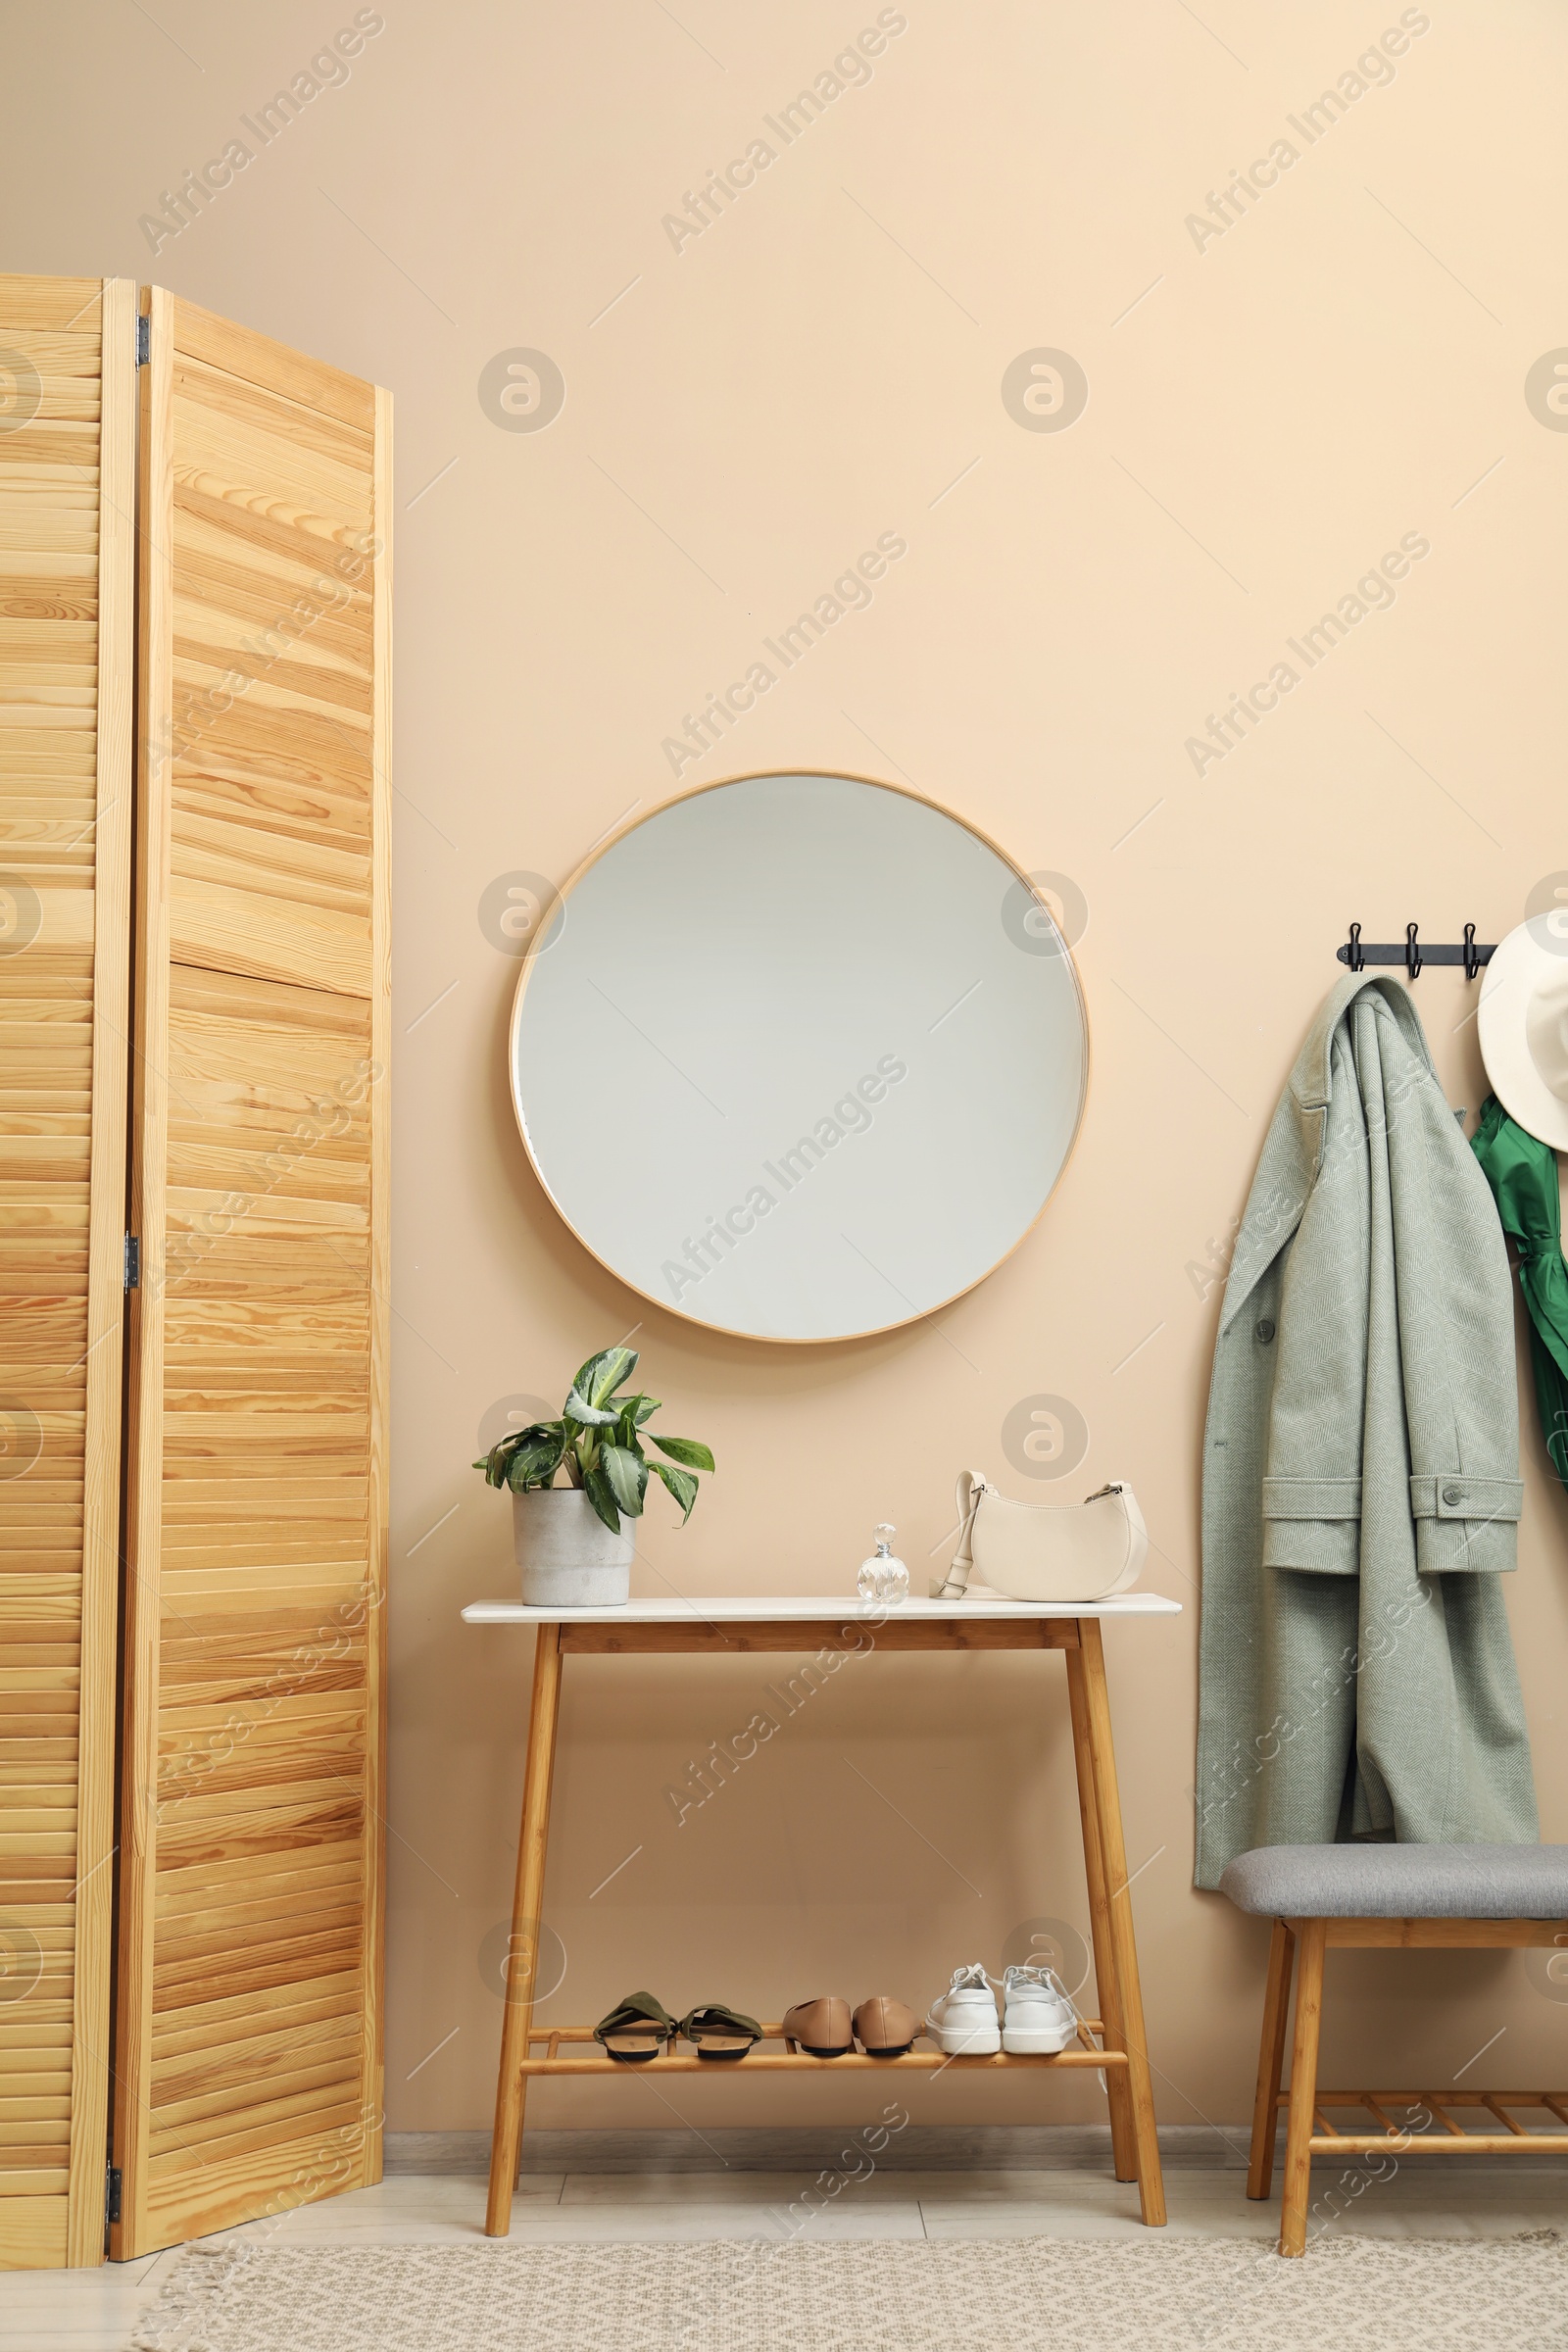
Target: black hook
(1472,961)
(1412,953)
(1357,960)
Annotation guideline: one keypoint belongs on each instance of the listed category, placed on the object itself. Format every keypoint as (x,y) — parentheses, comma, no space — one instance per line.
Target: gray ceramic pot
(569,1557)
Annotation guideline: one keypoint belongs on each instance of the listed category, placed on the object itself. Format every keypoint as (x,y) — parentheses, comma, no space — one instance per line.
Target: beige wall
(1344,364)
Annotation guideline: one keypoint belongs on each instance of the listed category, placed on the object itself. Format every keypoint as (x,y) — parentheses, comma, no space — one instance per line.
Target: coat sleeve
(1456,1338)
(1312,1484)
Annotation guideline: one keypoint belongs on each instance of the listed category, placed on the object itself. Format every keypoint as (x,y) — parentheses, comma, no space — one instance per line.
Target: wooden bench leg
(1129,1999)
(1310,1939)
(522,1956)
(1271,2060)
(1118,2091)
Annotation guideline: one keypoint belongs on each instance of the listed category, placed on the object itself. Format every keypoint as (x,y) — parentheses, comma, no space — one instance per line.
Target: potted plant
(573,1542)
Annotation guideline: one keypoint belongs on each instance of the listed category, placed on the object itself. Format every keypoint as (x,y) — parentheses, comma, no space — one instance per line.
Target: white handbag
(1045,1551)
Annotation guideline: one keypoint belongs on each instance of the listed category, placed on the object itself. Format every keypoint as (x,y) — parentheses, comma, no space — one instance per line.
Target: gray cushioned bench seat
(1400,1882)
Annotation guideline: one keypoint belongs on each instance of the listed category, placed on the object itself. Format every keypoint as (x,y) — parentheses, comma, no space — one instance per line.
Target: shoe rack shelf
(572,2050)
(799,1623)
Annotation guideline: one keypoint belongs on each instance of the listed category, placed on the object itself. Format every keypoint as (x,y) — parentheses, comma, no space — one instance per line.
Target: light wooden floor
(95,2310)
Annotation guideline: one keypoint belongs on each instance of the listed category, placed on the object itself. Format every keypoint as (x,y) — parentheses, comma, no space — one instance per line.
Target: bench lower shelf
(1419,2139)
(583,2056)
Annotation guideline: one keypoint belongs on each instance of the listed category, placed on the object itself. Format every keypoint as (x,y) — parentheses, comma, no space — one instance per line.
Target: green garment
(1523,1176)
(1361,1471)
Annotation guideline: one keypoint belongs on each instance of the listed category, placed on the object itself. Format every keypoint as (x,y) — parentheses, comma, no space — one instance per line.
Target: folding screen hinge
(112,2187)
(133,1262)
(144,352)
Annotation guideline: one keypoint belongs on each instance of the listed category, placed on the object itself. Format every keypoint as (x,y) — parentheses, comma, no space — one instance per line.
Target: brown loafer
(821,2028)
(885,2029)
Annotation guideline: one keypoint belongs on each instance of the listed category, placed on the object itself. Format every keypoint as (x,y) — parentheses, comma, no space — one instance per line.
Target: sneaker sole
(972,2042)
(1036,2041)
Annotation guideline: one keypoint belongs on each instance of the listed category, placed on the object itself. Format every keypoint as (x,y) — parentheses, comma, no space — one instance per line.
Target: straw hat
(1523,1025)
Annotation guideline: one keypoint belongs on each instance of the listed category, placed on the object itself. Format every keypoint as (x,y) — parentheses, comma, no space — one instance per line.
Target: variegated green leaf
(535,1461)
(601,1375)
(600,1493)
(689,1451)
(590,1416)
(627,1474)
(498,1461)
(681,1484)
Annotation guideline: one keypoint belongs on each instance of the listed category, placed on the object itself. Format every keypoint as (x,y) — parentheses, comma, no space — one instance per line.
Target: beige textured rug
(1017,2295)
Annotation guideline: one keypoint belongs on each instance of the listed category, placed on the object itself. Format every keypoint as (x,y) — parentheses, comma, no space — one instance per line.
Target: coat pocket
(1312,1523)
(1464,1523)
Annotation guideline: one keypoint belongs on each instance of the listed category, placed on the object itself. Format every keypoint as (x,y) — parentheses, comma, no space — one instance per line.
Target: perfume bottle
(883,1576)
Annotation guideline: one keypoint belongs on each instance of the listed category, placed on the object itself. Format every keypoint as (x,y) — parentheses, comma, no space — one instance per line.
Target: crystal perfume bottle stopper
(883,1576)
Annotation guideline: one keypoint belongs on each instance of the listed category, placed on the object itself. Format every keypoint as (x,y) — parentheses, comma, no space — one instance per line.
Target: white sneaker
(963,2020)
(1038,2015)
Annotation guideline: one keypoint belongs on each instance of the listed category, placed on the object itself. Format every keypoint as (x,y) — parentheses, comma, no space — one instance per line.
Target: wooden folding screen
(248,2058)
(67,415)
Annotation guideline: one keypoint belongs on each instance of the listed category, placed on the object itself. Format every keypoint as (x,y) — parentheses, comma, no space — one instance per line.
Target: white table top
(812,1608)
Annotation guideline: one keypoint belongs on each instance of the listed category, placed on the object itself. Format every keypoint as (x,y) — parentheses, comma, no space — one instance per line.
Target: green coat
(1522,1172)
(1361,1471)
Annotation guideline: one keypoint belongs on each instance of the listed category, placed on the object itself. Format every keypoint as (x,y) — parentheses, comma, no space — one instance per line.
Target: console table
(728,1628)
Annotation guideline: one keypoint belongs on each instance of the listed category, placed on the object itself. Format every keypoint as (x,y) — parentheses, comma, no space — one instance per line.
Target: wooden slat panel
(250,2049)
(312,1894)
(66,583)
(285,2164)
(63,352)
(51,304)
(211,2023)
(234,931)
(234,429)
(32,2229)
(256,360)
(63,920)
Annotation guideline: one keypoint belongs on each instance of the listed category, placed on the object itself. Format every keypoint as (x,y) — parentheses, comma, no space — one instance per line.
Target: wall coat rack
(1414,954)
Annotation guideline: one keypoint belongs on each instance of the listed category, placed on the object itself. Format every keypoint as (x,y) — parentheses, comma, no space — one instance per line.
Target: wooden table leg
(1123,1950)
(1270,2061)
(1310,1938)
(1118,2091)
(522,1957)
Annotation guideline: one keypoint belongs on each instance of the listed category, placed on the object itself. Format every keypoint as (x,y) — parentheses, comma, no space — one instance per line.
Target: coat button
(1452,1495)
(1265,1329)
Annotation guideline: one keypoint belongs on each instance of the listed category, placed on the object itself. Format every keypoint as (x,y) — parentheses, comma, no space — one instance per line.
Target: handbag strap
(972,1483)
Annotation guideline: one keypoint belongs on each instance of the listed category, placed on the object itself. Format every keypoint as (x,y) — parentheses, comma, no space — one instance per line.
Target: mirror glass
(799,1056)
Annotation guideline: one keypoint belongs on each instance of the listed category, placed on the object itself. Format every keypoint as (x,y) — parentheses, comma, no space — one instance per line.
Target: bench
(1390,1898)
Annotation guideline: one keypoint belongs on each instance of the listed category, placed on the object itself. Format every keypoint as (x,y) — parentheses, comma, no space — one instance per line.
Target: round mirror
(799,1056)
